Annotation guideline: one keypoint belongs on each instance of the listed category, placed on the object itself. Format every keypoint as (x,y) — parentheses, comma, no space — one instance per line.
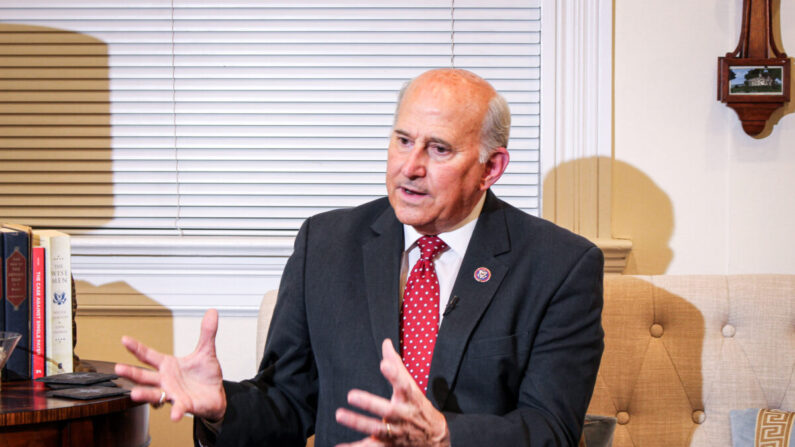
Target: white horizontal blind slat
(269,111)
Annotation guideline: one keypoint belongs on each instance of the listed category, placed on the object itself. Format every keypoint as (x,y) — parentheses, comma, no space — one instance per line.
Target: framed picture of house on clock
(754,80)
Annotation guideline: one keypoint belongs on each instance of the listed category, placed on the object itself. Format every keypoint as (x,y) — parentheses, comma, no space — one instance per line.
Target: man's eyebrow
(434,140)
(439,141)
(402,132)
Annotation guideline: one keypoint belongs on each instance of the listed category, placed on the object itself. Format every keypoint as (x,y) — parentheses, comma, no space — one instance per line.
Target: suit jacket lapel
(489,239)
(381,256)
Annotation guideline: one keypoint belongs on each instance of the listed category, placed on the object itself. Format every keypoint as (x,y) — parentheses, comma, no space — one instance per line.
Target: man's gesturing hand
(193,384)
(407,419)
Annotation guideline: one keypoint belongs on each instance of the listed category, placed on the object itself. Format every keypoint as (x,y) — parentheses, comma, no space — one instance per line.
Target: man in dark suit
(506,308)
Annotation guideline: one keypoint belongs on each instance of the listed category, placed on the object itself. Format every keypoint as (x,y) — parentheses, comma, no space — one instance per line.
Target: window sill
(176,276)
(267,246)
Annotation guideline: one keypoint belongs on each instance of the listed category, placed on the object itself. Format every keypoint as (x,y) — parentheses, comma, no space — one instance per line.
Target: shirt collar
(457,239)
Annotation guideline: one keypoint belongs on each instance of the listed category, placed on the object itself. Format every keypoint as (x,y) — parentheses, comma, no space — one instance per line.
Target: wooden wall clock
(754,79)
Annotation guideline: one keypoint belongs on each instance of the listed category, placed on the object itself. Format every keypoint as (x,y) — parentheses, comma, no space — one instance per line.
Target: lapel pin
(482,274)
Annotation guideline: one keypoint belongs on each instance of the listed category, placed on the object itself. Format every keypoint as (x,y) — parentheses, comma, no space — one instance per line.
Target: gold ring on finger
(160,401)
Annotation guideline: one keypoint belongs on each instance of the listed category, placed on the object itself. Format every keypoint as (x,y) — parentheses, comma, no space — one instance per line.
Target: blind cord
(174,123)
(452,33)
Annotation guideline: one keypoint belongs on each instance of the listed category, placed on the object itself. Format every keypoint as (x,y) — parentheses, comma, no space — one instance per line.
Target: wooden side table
(29,418)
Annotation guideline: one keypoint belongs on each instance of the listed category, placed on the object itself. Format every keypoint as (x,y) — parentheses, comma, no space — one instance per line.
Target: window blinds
(234,117)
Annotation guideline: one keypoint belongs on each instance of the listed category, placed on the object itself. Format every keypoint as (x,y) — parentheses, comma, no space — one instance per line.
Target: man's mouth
(412,192)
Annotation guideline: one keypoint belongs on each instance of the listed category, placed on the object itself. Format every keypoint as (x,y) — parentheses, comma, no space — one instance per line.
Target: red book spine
(37,311)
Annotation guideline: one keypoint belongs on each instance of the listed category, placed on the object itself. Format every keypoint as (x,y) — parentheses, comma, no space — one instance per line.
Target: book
(58,300)
(37,364)
(16,293)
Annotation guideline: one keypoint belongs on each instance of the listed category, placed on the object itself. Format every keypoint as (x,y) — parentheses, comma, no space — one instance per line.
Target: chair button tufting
(622,417)
(699,416)
(728,330)
(656,330)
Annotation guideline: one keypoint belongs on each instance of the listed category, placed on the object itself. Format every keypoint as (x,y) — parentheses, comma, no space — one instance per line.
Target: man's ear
(495,166)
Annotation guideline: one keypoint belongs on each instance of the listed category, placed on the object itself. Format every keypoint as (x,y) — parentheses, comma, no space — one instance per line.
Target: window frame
(576,123)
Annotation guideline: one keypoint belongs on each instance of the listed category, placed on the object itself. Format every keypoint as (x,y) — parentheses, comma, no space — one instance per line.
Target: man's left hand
(407,419)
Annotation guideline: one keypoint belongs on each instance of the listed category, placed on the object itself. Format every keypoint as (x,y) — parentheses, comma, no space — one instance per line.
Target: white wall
(691,189)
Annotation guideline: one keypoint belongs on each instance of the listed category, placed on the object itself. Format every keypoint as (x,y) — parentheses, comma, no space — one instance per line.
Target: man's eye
(441,150)
(403,141)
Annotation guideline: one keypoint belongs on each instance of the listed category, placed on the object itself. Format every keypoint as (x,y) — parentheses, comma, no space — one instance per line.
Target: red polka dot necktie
(419,322)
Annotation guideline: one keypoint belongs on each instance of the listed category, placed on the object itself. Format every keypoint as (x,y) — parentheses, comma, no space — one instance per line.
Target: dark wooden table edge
(76,409)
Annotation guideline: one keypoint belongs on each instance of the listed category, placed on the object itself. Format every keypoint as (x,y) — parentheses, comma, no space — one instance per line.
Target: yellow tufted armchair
(681,352)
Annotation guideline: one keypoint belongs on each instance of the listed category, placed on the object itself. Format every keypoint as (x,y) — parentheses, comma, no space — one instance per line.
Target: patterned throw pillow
(754,427)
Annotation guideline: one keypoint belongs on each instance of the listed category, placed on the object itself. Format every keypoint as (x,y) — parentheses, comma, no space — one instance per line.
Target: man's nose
(415,164)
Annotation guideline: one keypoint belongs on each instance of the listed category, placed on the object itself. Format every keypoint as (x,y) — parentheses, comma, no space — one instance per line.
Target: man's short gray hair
(494,131)
(496,127)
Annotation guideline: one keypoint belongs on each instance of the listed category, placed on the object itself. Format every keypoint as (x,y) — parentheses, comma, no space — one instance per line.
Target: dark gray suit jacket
(515,361)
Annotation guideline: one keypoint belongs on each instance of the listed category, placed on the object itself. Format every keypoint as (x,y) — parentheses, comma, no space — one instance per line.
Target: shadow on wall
(55,132)
(641,211)
(108,311)
(55,139)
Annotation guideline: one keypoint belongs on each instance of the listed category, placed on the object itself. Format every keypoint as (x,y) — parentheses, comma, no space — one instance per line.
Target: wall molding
(577,164)
(616,252)
(579,190)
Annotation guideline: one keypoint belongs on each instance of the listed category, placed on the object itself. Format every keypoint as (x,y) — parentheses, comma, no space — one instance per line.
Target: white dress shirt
(448,262)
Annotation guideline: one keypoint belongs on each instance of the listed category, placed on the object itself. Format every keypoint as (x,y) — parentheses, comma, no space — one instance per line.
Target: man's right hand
(192,384)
